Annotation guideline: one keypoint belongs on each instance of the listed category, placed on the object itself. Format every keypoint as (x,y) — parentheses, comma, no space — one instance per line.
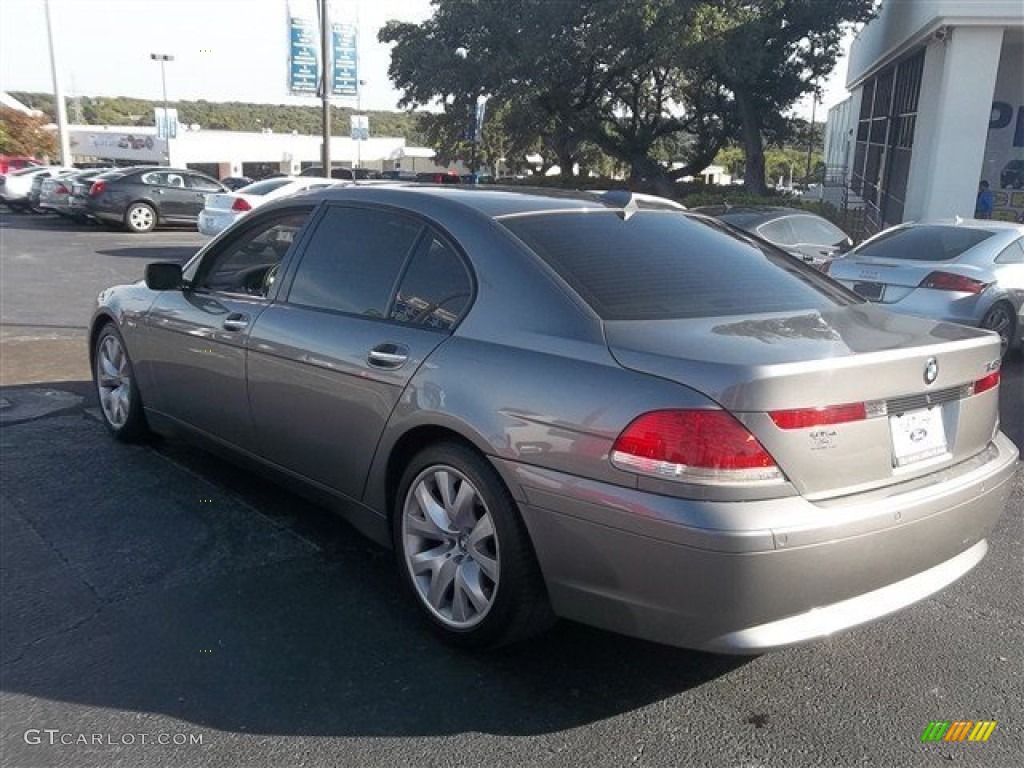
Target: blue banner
(345,78)
(303,63)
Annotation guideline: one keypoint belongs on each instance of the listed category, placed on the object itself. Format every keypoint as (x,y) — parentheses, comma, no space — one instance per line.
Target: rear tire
(464,552)
(140,218)
(1001,319)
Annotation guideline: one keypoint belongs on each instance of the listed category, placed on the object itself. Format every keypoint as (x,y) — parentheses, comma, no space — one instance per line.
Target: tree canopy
(27,135)
(642,82)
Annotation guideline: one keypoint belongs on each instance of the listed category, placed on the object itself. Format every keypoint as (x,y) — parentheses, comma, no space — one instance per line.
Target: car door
(195,339)
(200,187)
(372,294)
(168,191)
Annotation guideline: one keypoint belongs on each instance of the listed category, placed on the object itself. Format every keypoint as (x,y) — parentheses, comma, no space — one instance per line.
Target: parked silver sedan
(967,271)
(589,407)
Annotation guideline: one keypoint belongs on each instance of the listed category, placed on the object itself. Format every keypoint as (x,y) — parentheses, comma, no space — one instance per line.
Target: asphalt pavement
(161,607)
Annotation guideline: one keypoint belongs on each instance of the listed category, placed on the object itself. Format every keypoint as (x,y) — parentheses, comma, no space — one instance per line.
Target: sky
(224,50)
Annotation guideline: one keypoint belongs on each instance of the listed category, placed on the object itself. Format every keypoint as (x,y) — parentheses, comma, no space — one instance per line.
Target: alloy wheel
(450,547)
(113,381)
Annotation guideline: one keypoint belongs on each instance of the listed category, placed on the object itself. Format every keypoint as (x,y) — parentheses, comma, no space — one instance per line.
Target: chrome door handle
(388,356)
(236,322)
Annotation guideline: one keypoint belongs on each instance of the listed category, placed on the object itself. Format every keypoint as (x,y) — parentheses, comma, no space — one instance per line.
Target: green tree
(22,134)
(769,53)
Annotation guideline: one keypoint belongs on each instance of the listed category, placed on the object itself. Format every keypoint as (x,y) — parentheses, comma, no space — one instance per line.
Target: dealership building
(936,105)
(237,153)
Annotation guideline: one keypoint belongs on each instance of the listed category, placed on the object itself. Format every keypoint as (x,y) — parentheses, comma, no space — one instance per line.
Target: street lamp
(163,58)
(359,131)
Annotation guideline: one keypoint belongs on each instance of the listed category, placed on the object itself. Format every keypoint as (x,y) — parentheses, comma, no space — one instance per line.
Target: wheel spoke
(440,581)
(469,584)
(483,530)
(429,559)
(433,511)
(461,509)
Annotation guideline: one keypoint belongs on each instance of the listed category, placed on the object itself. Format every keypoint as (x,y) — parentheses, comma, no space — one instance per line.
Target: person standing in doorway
(985,203)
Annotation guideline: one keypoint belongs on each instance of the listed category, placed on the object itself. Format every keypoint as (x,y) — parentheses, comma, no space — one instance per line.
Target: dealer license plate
(917,435)
(869,291)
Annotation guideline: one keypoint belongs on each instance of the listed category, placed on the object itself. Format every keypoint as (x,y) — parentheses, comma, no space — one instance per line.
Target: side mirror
(163,276)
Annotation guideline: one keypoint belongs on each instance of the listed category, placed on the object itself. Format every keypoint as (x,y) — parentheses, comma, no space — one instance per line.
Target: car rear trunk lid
(759,366)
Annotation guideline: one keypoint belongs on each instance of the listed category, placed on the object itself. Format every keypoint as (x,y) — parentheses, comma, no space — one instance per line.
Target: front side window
(1012,254)
(248,263)
(353,260)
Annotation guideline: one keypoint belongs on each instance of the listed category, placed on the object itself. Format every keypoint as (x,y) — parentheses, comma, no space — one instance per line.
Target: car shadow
(45,221)
(162,579)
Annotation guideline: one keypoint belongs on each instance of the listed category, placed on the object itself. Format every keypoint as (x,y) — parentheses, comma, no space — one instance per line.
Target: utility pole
(58,95)
(325,86)
(163,58)
(810,140)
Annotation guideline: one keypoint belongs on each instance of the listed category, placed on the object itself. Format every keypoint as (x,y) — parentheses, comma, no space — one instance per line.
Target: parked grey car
(967,271)
(589,407)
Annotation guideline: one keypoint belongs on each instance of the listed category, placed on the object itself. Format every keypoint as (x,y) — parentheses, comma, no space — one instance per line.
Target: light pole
(163,58)
(359,131)
(58,95)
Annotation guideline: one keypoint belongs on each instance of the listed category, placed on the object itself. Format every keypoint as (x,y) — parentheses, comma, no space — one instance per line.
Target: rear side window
(353,261)
(924,243)
(435,290)
(660,264)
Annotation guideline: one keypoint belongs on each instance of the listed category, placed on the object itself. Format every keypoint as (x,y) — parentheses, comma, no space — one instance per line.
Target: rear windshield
(264,187)
(924,243)
(661,264)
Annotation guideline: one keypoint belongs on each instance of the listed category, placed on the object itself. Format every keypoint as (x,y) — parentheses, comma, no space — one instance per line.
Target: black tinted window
(248,263)
(924,243)
(435,290)
(660,264)
(353,261)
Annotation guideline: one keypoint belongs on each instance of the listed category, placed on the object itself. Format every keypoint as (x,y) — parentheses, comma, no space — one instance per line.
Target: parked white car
(15,186)
(225,208)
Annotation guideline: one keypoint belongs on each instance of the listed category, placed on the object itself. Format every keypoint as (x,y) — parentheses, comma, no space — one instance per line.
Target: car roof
(494,201)
(990,225)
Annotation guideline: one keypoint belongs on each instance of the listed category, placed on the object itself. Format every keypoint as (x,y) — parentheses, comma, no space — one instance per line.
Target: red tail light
(804,418)
(948,281)
(707,447)
(984,385)
(97,188)
(241,205)
(61,190)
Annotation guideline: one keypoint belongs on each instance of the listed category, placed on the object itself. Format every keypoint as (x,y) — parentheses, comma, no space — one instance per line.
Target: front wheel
(118,391)
(140,218)
(464,552)
(1000,318)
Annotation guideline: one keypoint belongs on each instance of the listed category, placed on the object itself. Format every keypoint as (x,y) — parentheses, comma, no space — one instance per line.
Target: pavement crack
(10,662)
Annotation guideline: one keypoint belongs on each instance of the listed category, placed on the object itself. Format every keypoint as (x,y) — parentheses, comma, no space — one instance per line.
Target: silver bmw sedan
(572,405)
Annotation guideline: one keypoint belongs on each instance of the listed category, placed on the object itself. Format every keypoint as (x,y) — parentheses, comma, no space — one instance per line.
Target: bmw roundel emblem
(931,370)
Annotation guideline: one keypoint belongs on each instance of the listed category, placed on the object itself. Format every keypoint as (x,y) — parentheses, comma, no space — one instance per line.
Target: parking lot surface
(161,607)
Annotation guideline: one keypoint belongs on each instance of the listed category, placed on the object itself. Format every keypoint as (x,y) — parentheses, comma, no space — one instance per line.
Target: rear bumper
(213,223)
(621,559)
